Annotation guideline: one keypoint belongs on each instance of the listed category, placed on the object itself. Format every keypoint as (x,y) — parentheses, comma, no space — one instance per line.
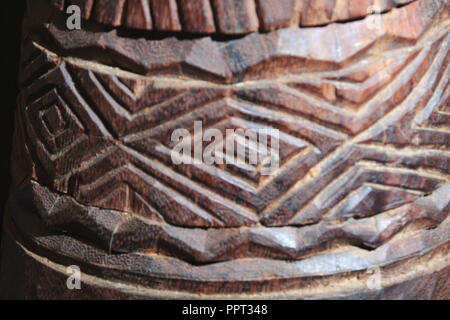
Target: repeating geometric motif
(362,145)
(224,16)
(285,52)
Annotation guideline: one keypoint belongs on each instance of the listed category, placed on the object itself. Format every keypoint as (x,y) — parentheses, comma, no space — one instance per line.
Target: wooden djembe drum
(358,207)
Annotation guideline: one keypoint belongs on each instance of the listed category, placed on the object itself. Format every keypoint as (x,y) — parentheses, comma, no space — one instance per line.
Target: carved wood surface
(364,121)
(224,16)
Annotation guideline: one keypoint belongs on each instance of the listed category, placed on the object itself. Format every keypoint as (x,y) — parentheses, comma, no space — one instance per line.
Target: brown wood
(364,180)
(227,16)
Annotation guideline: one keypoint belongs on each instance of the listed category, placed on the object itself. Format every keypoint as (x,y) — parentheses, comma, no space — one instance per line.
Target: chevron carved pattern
(364,132)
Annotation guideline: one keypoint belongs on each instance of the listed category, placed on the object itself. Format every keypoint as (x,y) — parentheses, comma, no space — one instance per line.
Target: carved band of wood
(363,112)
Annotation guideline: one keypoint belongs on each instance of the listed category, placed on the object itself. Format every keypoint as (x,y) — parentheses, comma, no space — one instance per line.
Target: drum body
(337,185)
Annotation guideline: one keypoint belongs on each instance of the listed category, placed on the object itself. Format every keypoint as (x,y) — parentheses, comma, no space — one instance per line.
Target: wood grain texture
(30,275)
(165,13)
(288,51)
(138,15)
(229,16)
(364,122)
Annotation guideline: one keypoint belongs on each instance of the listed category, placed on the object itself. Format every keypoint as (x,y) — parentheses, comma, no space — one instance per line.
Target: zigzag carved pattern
(119,232)
(287,51)
(96,134)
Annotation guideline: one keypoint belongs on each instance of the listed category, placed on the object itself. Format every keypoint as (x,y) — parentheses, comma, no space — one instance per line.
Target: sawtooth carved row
(224,16)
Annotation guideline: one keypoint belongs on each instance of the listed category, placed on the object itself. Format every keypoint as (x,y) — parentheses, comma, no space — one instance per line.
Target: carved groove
(224,16)
(364,139)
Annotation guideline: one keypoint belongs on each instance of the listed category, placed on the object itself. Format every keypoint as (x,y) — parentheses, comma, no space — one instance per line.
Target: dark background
(11,28)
